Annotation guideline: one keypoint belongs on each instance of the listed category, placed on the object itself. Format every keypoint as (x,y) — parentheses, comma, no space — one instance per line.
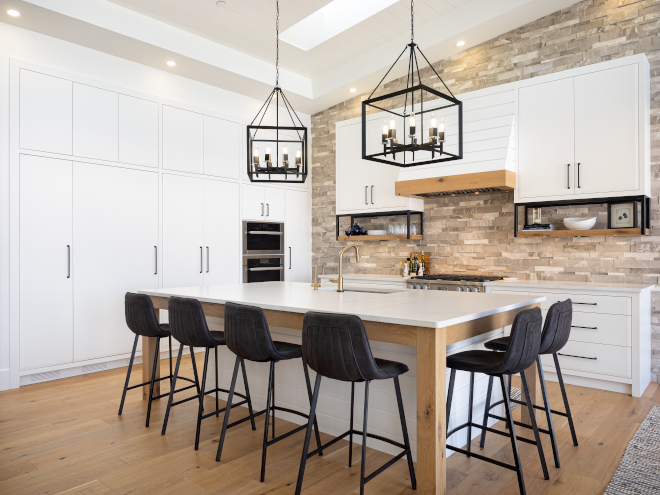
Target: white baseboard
(622,388)
(4,379)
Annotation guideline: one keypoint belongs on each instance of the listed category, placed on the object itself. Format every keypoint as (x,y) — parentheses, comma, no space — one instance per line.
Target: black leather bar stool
(141,319)
(556,331)
(520,354)
(336,346)
(248,336)
(188,326)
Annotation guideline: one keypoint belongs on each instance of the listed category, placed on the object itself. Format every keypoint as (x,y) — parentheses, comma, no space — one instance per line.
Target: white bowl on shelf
(376,232)
(576,223)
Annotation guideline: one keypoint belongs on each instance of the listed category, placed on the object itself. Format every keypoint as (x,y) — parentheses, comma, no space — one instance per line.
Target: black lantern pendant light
(288,163)
(411,111)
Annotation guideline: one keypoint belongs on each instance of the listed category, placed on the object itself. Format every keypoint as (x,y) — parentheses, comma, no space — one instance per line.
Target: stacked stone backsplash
(475,233)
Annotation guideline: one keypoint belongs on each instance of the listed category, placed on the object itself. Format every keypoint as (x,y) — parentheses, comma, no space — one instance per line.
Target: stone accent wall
(475,233)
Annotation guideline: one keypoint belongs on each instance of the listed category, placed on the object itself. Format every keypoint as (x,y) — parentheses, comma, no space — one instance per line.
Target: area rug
(639,471)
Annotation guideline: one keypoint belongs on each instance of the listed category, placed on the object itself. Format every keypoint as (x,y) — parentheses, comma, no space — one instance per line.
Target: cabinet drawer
(601,328)
(589,303)
(603,359)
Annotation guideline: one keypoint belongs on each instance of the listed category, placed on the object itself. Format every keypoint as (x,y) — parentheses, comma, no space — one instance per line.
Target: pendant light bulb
(256,156)
(391,133)
(268,157)
(298,156)
(413,128)
(433,121)
(385,129)
(442,125)
(285,155)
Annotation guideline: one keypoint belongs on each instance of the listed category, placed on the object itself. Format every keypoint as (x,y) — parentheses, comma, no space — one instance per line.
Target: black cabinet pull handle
(585,304)
(586,328)
(568,176)
(156,252)
(578,176)
(68,261)
(201,259)
(581,357)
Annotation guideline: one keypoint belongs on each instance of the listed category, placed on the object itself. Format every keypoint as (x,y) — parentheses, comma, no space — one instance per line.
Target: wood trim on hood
(495,181)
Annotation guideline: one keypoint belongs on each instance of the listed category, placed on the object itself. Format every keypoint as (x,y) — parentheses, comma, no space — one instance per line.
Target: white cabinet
(222,233)
(45,113)
(222,147)
(95,123)
(585,133)
(363,185)
(547,137)
(263,203)
(183,231)
(46,288)
(115,238)
(298,237)
(183,140)
(138,131)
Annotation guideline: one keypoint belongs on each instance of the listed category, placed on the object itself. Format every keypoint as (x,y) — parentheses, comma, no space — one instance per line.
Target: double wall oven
(263,252)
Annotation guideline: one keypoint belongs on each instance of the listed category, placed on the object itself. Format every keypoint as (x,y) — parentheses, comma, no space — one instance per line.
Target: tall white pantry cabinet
(115,191)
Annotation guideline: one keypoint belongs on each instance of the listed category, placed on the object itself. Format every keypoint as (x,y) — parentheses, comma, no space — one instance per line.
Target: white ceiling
(234,47)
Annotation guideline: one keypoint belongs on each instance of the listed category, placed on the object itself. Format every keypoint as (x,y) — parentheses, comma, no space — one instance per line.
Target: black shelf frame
(644,222)
(408,213)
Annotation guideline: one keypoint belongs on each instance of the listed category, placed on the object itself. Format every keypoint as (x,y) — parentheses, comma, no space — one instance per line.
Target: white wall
(61,56)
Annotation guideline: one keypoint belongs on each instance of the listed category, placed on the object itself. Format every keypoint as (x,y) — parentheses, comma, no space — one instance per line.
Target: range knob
(427,287)
(412,286)
(419,286)
(460,289)
(477,289)
(467,289)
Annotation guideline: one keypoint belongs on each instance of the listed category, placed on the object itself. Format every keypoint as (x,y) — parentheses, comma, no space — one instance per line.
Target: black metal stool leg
(228,408)
(273,387)
(535,428)
(470,406)
(153,378)
(364,436)
(486,411)
(128,375)
(169,400)
(450,394)
(170,345)
(308,435)
(247,394)
(350,436)
(566,406)
(264,445)
(508,388)
(194,363)
(548,414)
(404,428)
(514,442)
(309,394)
(217,397)
(200,409)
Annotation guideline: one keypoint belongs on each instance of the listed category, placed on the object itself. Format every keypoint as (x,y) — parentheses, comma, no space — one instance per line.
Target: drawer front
(602,359)
(601,329)
(613,305)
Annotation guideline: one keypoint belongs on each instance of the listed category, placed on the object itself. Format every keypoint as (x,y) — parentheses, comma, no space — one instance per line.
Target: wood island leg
(431,410)
(148,350)
(532,376)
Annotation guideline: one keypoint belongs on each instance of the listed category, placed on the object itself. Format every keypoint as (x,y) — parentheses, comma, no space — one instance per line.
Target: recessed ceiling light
(460,43)
(13,13)
(352,90)
(221,3)
(171,63)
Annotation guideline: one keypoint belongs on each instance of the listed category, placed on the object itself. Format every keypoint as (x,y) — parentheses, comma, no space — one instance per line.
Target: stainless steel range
(454,281)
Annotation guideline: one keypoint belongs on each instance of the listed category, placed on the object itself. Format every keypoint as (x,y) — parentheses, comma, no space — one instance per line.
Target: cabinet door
(95,123)
(298,237)
(183,231)
(45,113)
(46,288)
(222,147)
(607,131)
(183,140)
(546,140)
(138,131)
(115,233)
(274,199)
(353,173)
(222,233)
(381,190)
(254,206)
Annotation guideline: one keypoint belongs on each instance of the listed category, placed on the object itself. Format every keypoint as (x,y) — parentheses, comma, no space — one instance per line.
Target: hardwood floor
(65,437)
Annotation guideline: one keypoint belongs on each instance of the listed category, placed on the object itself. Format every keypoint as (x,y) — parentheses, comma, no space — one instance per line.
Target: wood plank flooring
(65,437)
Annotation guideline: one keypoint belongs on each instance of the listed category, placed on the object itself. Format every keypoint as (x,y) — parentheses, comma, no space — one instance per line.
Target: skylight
(331,20)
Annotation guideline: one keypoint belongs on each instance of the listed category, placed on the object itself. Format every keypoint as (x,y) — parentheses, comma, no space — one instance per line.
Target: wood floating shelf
(393,237)
(581,233)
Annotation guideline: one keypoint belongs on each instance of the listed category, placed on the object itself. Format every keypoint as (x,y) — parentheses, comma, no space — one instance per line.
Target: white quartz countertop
(366,277)
(558,284)
(431,309)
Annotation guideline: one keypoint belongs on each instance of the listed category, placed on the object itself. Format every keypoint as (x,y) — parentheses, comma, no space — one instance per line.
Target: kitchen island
(429,321)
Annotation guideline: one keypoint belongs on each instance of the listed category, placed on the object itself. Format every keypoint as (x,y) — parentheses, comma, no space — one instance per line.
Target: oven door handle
(263,232)
(265,268)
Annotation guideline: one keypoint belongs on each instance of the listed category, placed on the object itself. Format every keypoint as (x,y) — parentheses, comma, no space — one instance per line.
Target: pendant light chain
(277,44)
(412,21)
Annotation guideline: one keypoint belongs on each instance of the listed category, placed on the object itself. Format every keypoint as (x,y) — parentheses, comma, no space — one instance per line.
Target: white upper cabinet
(274,199)
(607,131)
(45,113)
(222,147)
(222,233)
(263,203)
(46,273)
(585,133)
(115,236)
(138,131)
(547,137)
(95,123)
(183,140)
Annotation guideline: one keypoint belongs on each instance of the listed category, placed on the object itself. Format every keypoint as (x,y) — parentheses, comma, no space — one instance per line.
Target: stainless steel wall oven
(263,238)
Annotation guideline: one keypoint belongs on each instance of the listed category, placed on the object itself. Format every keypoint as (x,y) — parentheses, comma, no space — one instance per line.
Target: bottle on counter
(422,265)
(406,267)
(415,263)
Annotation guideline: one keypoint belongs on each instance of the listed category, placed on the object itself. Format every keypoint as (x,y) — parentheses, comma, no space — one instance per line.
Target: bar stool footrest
(492,430)
(482,457)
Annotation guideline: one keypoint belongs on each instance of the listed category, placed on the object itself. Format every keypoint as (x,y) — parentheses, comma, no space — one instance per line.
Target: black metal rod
(548,415)
(309,395)
(201,398)
(169,401)
(514,443)
(482,442)
(404,430)
(128,375)
(565,397)
(153,376)
(535,429)
(247,395)
(225,421)
(388,71)
(365,417)
(312,416)
(269,397)
(482,458)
